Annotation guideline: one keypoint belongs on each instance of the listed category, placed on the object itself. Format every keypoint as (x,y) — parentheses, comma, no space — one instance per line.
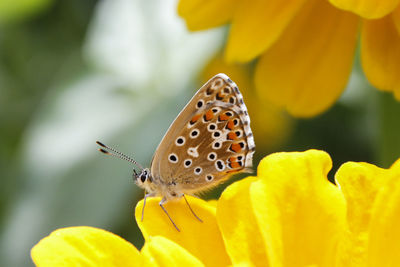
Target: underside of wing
(210,139)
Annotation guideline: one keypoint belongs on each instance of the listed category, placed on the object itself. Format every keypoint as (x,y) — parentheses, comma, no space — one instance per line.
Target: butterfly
(209,140)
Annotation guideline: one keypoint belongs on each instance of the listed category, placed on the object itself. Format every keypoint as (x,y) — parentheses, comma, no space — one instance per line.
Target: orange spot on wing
(235,165)
(195,118)
(223,117)
(232,159)
(230,125)
(236,148)
(232,136)
(209,115)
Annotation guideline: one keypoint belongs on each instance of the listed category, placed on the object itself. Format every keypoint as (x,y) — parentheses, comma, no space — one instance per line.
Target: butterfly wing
(208,141)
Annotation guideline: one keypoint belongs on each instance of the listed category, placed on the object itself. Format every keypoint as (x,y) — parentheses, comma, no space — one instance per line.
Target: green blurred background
(73,72)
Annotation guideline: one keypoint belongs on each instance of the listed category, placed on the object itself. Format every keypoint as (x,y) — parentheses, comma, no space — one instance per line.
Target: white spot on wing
(192,151)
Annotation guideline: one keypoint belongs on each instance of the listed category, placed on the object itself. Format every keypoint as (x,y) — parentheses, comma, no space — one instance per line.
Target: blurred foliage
(13,11)
(34,52)
(33,55)
(388,141)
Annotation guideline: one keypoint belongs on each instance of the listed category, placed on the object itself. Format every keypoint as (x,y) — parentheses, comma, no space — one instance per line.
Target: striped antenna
(116,154)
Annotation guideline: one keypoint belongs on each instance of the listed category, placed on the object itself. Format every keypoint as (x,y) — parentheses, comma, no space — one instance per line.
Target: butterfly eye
(143,176)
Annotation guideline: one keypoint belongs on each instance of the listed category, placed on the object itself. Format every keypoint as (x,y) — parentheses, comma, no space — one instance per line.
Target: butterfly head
(143,179)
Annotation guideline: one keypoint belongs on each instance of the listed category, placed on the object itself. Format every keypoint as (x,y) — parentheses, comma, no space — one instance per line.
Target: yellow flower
(305,48)
(287,215)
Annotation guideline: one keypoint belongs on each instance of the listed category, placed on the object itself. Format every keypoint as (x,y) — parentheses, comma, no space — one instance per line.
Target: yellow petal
(194,235)
(84,246)
(380,54)
(256,25)
(369,9)
(308,68)
(360,184)
(200,15)
(300,213)
(159,251)
(384,244)
(396,164)
(213,202)
(239,227)
(396,18)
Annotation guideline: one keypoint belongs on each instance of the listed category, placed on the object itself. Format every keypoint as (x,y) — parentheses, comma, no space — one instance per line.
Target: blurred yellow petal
(360,184)
(384,238)
(369,9)
(380,54)
(396,164)
(159,251)
(213,202)
(84,246)
(202,239)
(300,213)
(237,221)
(201,15)
(308,68)
(396,18)
(256,25)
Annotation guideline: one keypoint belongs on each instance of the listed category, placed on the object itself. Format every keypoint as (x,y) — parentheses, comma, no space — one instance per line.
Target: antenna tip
(104,151)
(100,144)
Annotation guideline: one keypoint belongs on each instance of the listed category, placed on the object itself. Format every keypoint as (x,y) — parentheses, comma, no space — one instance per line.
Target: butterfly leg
(144,203)
(166,212)
(197,217)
